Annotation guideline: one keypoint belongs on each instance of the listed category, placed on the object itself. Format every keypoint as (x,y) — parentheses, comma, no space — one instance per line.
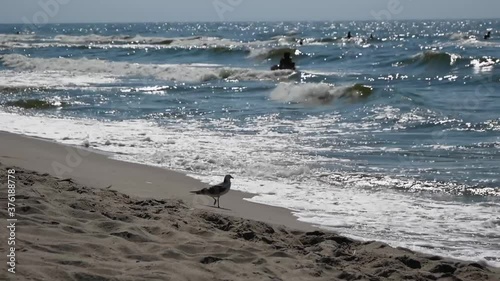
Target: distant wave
(215,49)
(469,41)
(128,39)
(273,53)
(327,40)
(109,69)
(438,57)
(216,45)
(431,58)
(257,48)
(17,38)
(294,41)
(466,38)
(484,62)
(101,41)
(339,40)
(444,59)
(19,81)
(486,126)
(318,93)
(35,104)
(285,38)
(461,36)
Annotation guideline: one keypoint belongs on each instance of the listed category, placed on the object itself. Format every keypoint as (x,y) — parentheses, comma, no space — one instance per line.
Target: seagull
(216,191)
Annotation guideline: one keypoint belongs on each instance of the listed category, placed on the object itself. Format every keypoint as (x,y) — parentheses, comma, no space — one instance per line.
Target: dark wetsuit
(287,63)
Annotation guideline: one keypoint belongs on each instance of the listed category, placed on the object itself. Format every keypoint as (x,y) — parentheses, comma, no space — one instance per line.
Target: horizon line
(249,21)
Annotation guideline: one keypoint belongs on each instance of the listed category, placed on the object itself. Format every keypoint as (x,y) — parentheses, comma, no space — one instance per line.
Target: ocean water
(394,139)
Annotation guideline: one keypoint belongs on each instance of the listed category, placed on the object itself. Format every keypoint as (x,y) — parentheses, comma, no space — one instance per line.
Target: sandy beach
(83,216)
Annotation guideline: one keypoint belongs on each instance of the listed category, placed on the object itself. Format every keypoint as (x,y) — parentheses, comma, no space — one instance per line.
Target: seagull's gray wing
(217,189)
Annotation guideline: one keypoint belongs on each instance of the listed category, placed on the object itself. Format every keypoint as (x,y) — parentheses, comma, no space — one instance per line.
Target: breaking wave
(484,62)
(273,53)
(119,41)
(461,36)
(445,59)
(432,58)
(318,93)
(21,81)
(17,38)
(175,72)
(137,39)
(13,41)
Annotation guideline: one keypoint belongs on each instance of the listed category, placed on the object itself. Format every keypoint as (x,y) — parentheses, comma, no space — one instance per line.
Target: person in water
(487,36)
(286,62)
(371,37)
(349,36)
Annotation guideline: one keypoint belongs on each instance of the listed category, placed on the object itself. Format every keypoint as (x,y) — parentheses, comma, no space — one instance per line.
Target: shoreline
(68,229)
(39,154)
(60,160)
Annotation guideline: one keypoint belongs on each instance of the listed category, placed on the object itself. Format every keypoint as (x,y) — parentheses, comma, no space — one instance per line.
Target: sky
(86,11)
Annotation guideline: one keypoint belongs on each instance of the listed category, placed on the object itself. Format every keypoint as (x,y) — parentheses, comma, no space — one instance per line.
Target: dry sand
(76,228)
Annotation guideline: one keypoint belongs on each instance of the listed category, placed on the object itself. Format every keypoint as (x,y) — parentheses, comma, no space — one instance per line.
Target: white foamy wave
(316,93)
(282,173)
(135,46)
(484,64)
(284,39)
(5,38)
(153,90)
(260,49)
(462,36)
(38,45)
(268,53)
(329,73)
(188,73)
(94,38)
(123,41)
(50,79)
(183,145)
(471,41)
(353,40)
(137,39)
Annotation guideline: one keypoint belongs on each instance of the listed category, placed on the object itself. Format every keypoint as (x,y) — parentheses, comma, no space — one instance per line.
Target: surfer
(349,36)
(371,37)
(286,62)
(487,36)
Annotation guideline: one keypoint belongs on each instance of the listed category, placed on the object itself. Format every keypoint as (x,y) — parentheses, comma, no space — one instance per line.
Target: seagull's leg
(218,201)
(215,201)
